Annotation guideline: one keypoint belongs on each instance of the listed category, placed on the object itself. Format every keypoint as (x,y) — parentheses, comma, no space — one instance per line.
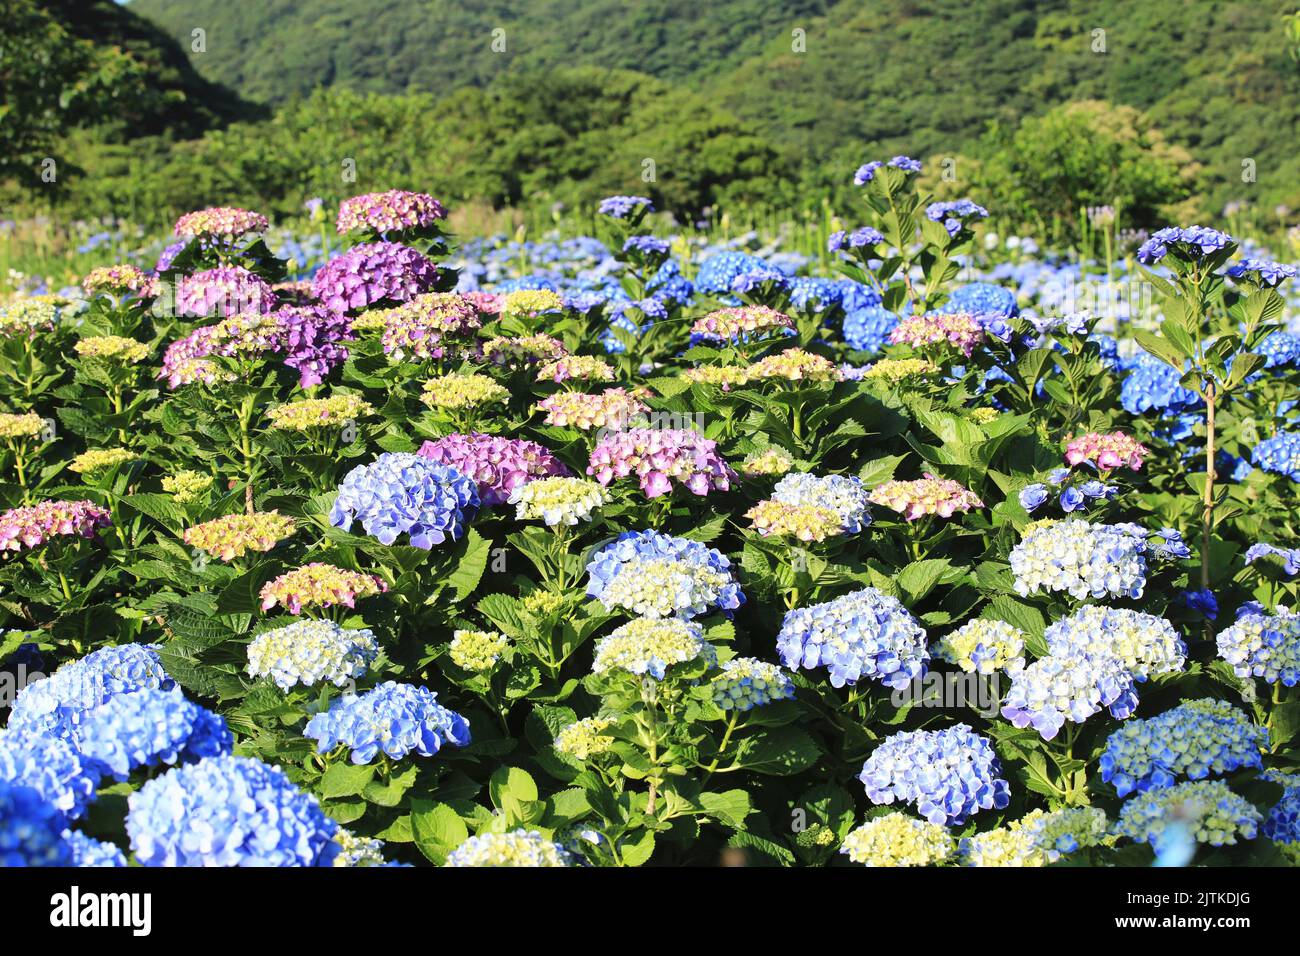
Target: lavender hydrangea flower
(948,774)
(373,273)
(862,634)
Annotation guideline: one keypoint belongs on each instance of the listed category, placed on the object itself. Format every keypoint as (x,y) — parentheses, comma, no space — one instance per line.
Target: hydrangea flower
(1282,825)
(319,585)
(333,412)
(584,738)
(741,324)
(226,291)
(148,727)
(867,171)
(844,495)
(401,493)
(925,496)
(1192,242)
(613,409)
(982,298)
(233,536)
(953,214)
(1073,686)
(794,365)
(224,223)
(1081,559)
(558,501)
(517,351)
(87,851)
(63,775)
(31,829)
(1290,556)
(948,774)
(113,348)
(1262,272)
(868,329)
(648,647)
(394,210)
(660,458)
(371,274)
(747,682)
(802,522)
(894,371)
(1106,452)
(186,486)
(29,526)
(498,465)
(895,839)
(1263,645)
(584,368)
(622,207)
(1194,740)
(1036,839)
(1146,644)
(1152,385)
(515,848)
(358,851)
(984,646)
(657,575)
(477,651)
(864,237)
(310,652)
(772,460)
(1204,809)
(1279,455)
(958,330)
(228,811)
(123,279)
(457,391)
(96,461)
(58,704)
(863,634)
(397,719)
(423,327)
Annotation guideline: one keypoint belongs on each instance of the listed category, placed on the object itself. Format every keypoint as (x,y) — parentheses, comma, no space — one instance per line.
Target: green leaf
(345,780)
(729,808)
(920,577)
(779,751)
(469,571)
(437,829)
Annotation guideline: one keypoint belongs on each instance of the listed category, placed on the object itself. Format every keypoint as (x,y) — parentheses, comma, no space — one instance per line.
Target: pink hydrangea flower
(319,585)
(393,211)
(226,290)
(498,465)
(741,323)
(220,222)
(660,457)
(1106,452)
(416,329)
(30,526)
(960,330)
(487,303)
(925,496)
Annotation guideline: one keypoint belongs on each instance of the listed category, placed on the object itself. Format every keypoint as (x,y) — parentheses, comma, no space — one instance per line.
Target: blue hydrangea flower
(1262,272)
(948,774)
(1279,455)
(1082,559)
(87,851)
(52,767)
(647,245)
(1192,242)
(1204,809)
(1033,497)
(862,634)
(395,718)
(401,493)
(864,237)
(1290,556)
(150,727)
(845,495)
(717,272)
(809,294)
(763,277)
(621,207)
(1263,645)
(982,298)
(1202,601)
(1147,644)
(1280,349)
(1282,825)
(658,575)
(57,704)
(747,682)
(1195,740)
(1073,686)
(309,652)
(953,214)
(31,829)
(1151,384)
(228,811)
(867,329)
(867,171)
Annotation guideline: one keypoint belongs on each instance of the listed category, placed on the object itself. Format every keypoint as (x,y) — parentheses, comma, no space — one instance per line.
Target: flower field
(620,550)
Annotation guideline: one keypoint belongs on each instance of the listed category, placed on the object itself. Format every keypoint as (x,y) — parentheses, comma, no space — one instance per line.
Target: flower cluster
(394,210)
(477,651)
(58,704)
(1263,645)
(149,727)
(498,465)
(581,368)
(417,330)
(958,330)
(32,834)
(30,526)
(623,207)
(25,425)
(1282,825)
(794,365)
(802,522)
(1072,687)
(114,348)
(186,486)
(532,302)
(319,585)
(613,409)
(401,493)
(1106,452)
(1194,740)
(459,390)
(1204,810)
(1081,559)
(394,718)
(516,351)
(1279,455)
(121,279)
(228,811)
(747,682)
(772,460)
(953,214)
(233,536)
(584,738)
(719,376)
(925,496)
(514,848)
(357,851)
(332,412)
(895,371)
(948,774)
(1192,242)
(87,851)
(63,775)
(741,324)
(1036,839)
(311,652)
(659,458)
(648,647)
(983,646)
(657,575)
(220,222)
(867,171)
(1262,272)
(371,274)
(226,290)
(1145,643)
(98,460)
(843,495)
(895,839)
(558,501)
(862,634)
